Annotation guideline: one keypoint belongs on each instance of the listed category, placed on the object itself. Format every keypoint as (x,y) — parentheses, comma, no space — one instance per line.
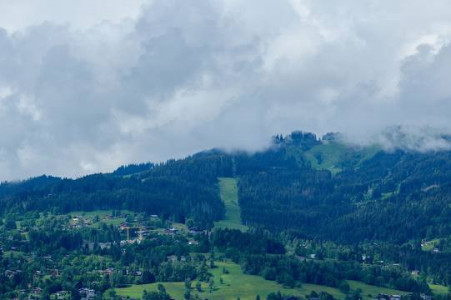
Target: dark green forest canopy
(314,187)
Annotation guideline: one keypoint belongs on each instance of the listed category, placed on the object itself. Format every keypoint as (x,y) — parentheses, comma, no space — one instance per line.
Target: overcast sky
(88,85)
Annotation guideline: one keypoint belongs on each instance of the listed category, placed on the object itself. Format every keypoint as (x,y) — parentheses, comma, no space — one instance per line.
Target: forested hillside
(320,188)
(176,189)
(312,210)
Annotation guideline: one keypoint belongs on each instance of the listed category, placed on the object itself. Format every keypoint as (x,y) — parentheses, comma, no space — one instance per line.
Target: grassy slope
(333,154)
(229,195)
(430,245)
(235,284)
(370,291)
(439,289)
(101,214)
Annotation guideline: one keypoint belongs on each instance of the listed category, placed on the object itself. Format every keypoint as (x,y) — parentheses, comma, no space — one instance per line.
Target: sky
(89,85)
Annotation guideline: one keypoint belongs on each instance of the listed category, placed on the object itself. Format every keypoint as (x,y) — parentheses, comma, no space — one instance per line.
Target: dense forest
(348,202)
(396,196)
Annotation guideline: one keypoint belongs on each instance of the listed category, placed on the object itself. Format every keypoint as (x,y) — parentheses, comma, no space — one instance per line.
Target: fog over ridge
(151,80)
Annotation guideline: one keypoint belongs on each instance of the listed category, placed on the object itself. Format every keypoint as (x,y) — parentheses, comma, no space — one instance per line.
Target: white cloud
(88,85)
(80,14)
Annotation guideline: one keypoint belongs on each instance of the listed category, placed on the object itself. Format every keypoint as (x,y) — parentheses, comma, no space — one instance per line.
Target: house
(425,297)
(61,295)
(388,297)
(54,272)
(109,271)
(105,245)
(11,273)
(172,258)
(87,294)
(172,230)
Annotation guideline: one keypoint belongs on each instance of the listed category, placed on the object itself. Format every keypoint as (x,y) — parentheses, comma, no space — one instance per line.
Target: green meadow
(370,291)
(229,195)
(439,289)
(235,284)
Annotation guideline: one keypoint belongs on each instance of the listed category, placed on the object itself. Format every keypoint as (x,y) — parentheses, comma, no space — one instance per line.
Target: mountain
(307,210)
(315,187)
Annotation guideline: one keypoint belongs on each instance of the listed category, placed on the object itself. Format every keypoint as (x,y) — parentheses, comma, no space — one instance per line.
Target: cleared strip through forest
(228,190)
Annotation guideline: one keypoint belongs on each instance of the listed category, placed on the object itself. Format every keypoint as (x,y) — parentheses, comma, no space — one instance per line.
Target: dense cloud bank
(173,77)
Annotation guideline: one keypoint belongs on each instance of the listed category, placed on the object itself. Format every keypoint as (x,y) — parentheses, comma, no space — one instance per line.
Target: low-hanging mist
(88,89)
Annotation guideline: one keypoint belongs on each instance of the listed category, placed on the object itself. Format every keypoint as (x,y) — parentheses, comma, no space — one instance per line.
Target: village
(133,228)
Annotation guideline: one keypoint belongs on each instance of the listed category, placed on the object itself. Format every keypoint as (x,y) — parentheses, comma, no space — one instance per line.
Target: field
(439,289)
(370,291)
(235,284)
(430,245)
(229,195)
(102,214)
(330,155)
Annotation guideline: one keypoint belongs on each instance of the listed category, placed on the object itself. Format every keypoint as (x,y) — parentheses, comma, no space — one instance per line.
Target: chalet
(105,245)
(172,230)
(141,234)
(87,294)
(387,297)
(10,273)
(61,295)
(54,272)
(425,297)
(172,258)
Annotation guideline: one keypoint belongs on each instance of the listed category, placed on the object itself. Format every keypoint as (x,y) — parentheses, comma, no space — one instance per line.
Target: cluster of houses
(399,297)
(36,293)
(387,297)
(79,222)
(87,294)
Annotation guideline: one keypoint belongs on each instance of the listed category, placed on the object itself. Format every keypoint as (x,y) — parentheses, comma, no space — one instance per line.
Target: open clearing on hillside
(229,195)
(328,156)
(430,245)
(235,284)
(371,291)
(439,289)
